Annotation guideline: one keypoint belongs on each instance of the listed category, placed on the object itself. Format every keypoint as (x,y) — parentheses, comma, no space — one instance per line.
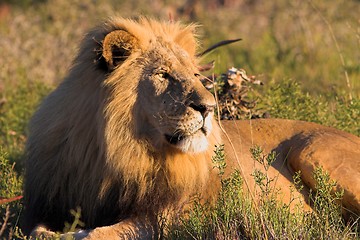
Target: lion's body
(129,133)
(299,146)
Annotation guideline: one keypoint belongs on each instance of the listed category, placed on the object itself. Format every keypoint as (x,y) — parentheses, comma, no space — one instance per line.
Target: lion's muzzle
(191,134)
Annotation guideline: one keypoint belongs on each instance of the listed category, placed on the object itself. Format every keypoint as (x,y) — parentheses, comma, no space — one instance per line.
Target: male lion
(129,135)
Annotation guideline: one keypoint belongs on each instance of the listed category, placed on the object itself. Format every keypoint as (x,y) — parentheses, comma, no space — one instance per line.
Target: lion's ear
(117,46)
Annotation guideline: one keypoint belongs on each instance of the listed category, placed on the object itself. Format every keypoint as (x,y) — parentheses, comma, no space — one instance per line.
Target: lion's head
(129,130)
(172,108)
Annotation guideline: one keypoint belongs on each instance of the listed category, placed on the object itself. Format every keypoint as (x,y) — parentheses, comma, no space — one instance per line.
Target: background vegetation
(307,54)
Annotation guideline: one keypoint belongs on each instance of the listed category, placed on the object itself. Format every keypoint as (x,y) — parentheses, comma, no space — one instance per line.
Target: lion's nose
(204,109)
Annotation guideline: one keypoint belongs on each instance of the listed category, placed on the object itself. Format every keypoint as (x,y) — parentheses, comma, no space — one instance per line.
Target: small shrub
(10,187)
(236,216)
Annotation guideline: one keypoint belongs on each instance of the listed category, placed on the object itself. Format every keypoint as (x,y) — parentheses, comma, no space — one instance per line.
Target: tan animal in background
(129,135)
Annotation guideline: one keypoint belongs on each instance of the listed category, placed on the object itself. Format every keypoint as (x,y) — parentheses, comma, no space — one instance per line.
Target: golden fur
(129,135)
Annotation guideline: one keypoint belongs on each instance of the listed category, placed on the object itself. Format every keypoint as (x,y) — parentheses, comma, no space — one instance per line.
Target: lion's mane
(84,151)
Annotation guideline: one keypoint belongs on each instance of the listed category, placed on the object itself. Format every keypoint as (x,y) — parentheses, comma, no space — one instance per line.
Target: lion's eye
(197,75)
(164,75)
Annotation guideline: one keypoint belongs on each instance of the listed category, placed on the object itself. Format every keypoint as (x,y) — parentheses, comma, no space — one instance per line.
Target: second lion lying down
(129,135)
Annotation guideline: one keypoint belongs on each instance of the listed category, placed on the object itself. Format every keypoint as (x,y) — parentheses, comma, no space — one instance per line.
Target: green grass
(19,103)
(10,186)
(287,100)
(301,40)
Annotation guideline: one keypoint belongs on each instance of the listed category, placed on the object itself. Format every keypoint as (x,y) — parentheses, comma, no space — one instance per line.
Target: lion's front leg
(133,228)
(127,229)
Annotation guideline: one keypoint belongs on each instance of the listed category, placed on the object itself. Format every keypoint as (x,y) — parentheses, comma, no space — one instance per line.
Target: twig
(6,218)
(219,44)
(7,200)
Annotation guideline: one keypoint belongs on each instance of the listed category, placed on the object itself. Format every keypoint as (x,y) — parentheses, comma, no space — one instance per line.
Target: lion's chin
(195,143)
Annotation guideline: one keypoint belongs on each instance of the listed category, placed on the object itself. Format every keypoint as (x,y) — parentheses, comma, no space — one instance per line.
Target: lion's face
(177,109)
(172,109)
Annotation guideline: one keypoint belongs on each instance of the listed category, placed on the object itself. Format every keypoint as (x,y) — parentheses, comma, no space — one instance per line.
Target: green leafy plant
(236,216)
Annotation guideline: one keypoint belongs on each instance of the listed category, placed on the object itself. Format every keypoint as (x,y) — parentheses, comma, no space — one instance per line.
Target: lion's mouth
(178,137)
(174,139)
